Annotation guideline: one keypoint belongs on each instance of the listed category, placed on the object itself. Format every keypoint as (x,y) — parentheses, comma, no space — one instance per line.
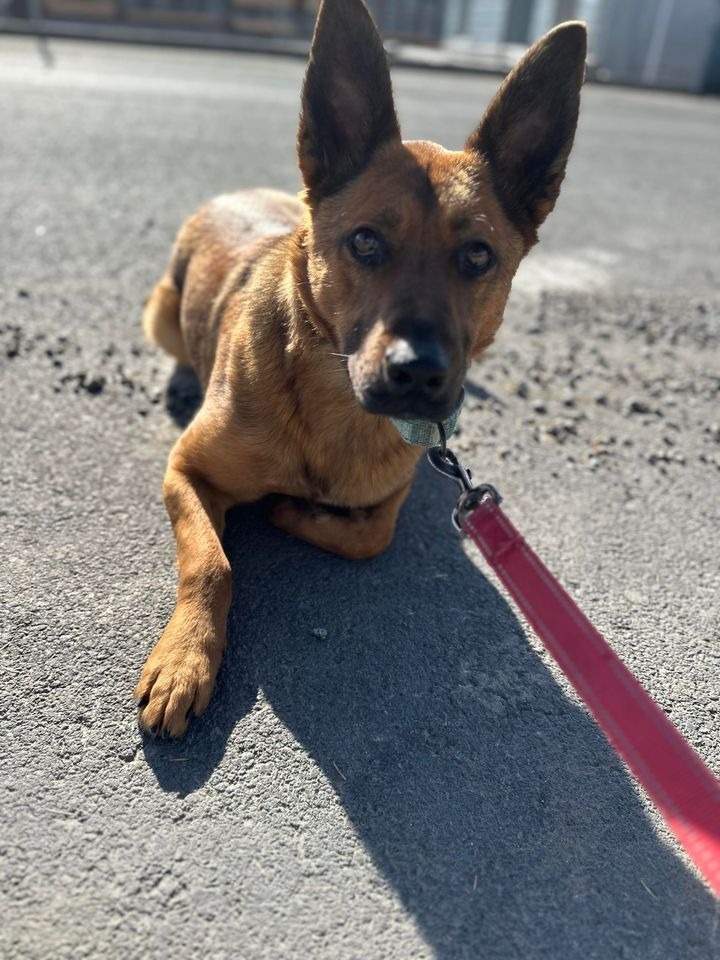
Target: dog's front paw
(287,513)
(178,677)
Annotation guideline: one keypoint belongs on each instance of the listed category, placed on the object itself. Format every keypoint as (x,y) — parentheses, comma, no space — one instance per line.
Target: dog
(313,321)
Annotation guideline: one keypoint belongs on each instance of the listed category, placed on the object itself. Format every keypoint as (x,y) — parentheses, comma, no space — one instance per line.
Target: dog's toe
(283,512)
(167,711)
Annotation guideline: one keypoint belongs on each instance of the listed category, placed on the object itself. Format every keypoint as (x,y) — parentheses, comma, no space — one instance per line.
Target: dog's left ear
(347,102)
(528,129)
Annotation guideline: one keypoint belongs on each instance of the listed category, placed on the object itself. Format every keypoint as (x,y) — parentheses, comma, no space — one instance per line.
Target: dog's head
(411,248)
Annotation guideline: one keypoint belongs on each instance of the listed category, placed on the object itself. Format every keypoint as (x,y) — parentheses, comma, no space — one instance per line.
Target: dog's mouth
(379,402)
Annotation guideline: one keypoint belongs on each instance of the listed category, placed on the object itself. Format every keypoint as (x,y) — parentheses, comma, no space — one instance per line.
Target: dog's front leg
(358,535)
(179,674)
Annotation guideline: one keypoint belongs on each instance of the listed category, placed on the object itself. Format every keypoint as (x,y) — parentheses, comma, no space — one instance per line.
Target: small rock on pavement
(633,405)
(320,633)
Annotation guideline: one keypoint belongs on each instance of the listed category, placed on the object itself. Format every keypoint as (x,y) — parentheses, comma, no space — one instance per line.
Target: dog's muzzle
(413,383)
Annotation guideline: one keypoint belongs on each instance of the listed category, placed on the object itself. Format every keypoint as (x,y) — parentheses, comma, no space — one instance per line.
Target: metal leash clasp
(445,462)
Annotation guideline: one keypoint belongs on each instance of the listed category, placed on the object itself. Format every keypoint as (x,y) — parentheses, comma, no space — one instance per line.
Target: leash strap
(676,779)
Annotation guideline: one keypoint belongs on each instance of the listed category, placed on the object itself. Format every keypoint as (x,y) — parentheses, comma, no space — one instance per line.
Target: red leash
(681,786)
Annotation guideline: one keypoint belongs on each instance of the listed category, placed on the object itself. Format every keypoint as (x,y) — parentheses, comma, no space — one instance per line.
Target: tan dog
(308,323)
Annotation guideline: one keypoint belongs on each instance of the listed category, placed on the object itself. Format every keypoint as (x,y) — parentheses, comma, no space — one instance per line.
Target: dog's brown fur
(287,332)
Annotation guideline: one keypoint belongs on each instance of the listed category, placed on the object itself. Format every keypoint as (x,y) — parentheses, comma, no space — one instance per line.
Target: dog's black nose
(417,367)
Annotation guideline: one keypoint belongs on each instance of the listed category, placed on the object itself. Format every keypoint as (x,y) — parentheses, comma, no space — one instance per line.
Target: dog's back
(215,252)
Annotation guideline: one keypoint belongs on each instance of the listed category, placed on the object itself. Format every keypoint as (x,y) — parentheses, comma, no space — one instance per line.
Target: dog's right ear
(528,129)
(347,103)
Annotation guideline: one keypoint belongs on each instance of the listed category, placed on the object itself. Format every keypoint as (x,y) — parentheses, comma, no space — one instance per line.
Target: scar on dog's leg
(359,535)
(161,320)
(180,672)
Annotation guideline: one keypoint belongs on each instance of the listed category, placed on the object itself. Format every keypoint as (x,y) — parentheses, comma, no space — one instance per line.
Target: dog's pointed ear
(528,129)
(347,103)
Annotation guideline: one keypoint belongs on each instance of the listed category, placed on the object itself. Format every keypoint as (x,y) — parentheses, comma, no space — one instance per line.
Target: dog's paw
(286,513)
(177,679)
(290,513)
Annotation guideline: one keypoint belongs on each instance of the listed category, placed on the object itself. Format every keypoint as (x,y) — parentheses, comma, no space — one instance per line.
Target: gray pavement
(420,782)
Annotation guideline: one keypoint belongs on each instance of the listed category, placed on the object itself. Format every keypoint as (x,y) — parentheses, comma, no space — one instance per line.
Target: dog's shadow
(485,796)
(183,395)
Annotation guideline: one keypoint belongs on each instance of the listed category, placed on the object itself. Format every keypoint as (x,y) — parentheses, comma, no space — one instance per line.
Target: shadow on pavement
(488,800)
(183,395)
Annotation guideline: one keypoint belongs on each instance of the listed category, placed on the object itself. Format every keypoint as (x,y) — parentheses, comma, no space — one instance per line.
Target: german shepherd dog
(311,322)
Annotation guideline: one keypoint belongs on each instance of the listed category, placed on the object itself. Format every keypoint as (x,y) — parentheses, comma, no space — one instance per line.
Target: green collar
(424,433)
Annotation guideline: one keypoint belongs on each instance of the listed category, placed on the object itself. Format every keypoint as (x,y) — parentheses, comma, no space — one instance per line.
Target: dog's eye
(367,247)
(475,259)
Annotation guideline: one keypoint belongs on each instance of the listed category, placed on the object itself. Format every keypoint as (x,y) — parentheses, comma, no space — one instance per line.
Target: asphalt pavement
(391,766)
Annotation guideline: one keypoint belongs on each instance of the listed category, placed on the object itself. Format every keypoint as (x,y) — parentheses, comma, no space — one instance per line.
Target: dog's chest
(358,476)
